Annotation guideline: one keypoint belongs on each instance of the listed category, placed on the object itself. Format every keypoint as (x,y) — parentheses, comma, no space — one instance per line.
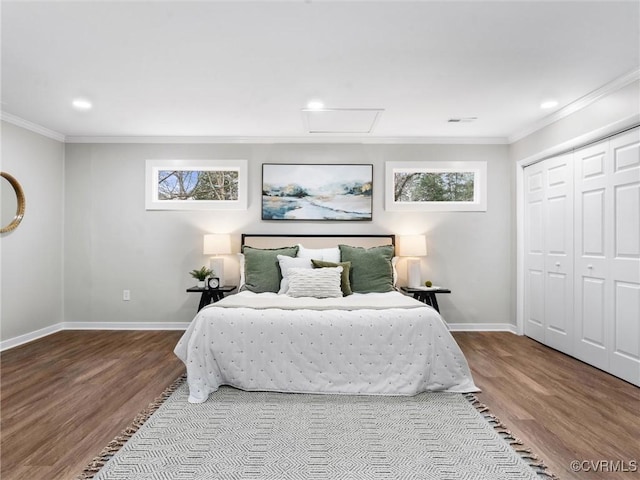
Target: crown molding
(577,105)
(313,138)
(301,140)
(615,128)
(560,114)
(34,127)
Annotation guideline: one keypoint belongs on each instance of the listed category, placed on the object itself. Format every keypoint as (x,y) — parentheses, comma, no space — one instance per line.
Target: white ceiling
(244,69)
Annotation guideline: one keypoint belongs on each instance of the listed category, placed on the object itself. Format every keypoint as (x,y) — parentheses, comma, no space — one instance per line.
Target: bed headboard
(264,240)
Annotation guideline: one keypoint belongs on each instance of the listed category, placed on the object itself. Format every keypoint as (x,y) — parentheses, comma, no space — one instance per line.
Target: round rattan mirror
(13,203)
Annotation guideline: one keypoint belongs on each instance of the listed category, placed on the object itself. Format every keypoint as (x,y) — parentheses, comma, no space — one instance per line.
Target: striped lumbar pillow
(318,283)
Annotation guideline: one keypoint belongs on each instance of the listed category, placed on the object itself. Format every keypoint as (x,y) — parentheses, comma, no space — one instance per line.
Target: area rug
(272,436)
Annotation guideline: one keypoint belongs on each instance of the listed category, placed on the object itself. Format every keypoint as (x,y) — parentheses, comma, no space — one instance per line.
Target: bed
(321,314)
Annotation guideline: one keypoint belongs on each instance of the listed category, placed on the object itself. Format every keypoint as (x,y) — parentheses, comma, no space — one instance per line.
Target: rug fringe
(118,442)
(518,445)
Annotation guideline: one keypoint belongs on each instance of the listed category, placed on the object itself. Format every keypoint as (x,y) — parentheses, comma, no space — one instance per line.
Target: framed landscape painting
(436,186)
(316,192)
(196,185)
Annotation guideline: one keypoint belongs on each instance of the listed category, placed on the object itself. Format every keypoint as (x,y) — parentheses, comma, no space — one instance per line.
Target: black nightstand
(426,294)
(210,295)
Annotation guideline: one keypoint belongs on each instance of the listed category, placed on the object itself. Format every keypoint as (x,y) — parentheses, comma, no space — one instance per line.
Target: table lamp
(217,244)
(413,246)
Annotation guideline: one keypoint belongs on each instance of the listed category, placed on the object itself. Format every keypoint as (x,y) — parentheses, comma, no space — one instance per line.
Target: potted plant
(201,275)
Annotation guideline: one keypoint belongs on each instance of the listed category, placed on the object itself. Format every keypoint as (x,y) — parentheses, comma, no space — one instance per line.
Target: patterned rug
(270,436)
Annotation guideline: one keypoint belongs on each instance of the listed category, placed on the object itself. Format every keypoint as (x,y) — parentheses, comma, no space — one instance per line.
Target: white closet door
(625,266)
(549,252)
(534,252)
(558,250)
(593,248)
(607,299)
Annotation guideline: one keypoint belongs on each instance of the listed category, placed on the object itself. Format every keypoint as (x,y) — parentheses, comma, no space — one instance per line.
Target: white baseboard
(43,332)
(29,337)
(125,325)
(482,327)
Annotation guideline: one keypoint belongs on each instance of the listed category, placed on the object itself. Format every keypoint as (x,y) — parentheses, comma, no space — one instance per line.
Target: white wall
(31,255)
(113,243)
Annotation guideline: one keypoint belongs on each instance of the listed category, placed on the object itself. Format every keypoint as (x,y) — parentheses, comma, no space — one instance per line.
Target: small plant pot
(200,283)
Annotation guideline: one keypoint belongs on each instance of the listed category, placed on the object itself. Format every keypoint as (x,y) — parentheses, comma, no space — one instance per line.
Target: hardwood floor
(64,397)
(561,408)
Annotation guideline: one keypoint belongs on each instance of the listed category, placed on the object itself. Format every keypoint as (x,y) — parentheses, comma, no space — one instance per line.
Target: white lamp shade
(217,244)
(412,246)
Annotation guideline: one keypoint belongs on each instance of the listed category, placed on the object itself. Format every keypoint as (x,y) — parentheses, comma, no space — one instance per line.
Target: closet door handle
(557,264)
(590,267)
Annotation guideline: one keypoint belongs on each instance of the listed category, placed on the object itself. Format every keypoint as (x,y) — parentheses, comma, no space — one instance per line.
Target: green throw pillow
(261,268)
(345,285)
(371,269)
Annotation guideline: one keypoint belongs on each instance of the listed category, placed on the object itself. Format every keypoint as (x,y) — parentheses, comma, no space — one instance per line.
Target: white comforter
(375,344)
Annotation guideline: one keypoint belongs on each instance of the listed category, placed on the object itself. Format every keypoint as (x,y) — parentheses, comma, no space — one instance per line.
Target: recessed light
(315,105)
(549,104)
(81,104)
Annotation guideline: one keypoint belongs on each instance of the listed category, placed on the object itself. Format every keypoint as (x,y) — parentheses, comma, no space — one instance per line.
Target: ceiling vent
(341,120)
(462,120)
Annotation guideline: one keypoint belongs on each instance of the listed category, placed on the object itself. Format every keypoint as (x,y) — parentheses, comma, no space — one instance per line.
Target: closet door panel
(592,247)
(627,223)
(626,351)
(625,261)
(592,222)
(558,300)
(534,325)
(591,332)
(534,304)
(558,252)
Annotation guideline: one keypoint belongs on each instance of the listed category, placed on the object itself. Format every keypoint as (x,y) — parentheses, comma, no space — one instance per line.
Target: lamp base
(217,265)
(413,273)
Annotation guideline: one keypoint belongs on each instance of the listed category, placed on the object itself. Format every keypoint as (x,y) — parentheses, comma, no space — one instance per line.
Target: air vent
(462,120)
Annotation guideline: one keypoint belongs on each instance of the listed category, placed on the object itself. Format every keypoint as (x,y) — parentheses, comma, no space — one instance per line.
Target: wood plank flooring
(64,397)
(563,409)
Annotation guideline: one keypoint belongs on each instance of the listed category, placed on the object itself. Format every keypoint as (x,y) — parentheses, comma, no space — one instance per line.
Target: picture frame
(196,185)
(436,186)
(325,192)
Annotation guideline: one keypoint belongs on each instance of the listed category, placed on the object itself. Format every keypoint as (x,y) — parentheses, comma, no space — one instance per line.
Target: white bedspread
(375,344)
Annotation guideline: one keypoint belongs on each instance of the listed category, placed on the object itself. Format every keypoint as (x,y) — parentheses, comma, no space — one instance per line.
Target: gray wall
(87,236)
(31,293)
(113,243)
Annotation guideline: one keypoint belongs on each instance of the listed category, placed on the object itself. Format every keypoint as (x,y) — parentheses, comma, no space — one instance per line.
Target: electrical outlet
(126,295)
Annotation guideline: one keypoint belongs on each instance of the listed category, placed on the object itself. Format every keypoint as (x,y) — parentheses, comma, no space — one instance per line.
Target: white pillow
(241,260)
(286,264)
(325,254)
(317,282)
(394,261)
